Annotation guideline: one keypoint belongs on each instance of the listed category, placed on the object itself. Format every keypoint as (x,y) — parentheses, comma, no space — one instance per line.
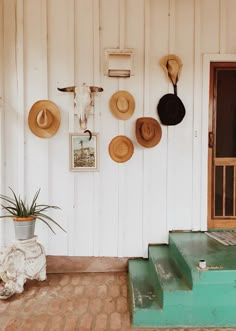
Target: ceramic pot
(24,227)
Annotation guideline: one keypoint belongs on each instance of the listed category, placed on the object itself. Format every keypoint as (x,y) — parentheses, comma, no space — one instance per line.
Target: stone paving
(68,302)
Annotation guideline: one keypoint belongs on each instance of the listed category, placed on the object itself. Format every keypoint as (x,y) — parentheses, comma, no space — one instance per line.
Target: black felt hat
(170,109)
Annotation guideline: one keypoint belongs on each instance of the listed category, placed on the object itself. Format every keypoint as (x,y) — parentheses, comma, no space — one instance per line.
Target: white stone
(25,259)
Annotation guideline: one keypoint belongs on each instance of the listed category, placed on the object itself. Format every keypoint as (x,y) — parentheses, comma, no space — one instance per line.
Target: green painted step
(146,311)
(171,286)
(160,295)
(188,248)
(141,286)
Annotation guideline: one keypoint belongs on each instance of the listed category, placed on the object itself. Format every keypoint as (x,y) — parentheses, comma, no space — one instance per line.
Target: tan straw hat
(148,131)
(122,105)
(172,66)
(121,149)
(44,118)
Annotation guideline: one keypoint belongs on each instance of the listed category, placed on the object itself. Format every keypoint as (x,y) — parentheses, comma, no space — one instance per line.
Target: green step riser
(179,316)
(166,298)
(156,281)
(142,285)
(180,262)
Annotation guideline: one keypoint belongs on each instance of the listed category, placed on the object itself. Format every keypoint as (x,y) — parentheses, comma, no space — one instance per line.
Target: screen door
(222,147)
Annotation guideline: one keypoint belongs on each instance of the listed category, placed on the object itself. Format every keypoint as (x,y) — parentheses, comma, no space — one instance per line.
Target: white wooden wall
(118,211)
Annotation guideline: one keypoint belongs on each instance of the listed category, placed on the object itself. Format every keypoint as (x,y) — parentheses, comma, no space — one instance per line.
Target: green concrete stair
(169,281)
(142,287)
(169,290)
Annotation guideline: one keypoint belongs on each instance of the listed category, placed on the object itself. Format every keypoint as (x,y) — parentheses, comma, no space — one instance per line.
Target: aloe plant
(15,207)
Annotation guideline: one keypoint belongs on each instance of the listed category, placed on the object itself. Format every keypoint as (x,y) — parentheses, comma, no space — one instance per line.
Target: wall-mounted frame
(119,62)
(84,153)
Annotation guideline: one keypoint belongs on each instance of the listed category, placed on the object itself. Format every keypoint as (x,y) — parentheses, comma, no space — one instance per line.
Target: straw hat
(44,118)
(148,131)
(121,149)
(172,66)
(122,105)
(170,109)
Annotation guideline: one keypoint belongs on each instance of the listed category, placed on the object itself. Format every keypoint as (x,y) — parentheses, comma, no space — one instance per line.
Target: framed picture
(83,152)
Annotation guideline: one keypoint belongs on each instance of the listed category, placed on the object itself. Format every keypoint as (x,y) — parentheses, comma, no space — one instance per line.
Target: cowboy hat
(148,131)
(121,149)
(170,109)
(44,118)
(172,66)
(122,105)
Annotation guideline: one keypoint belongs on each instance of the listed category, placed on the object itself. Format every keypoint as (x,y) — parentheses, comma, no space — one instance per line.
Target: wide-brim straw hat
(44,118)
(122,105)
(170,109)
(121,149)
(172,66)
(148,131)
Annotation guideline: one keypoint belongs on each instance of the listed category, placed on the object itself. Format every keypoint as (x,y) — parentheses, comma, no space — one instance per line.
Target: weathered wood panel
(197,99)
(180,137)
(36,79)
(228,25)
(120,209)
(131,174)
(13,174)
(2,228)
(61,72)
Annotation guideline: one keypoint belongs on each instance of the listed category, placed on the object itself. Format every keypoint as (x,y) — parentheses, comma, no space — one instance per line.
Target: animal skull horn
(83,101)
(93,89)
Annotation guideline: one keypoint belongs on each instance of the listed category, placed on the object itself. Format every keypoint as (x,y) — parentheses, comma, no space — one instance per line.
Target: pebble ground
(73,302)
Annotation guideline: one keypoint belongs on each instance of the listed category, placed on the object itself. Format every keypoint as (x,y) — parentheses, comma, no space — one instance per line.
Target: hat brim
(113,105)
(170,109)
(121,149)
(32,118)
(156,128)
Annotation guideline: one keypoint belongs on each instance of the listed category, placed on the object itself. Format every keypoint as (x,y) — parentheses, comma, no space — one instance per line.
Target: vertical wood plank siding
(122,208)
(2,227)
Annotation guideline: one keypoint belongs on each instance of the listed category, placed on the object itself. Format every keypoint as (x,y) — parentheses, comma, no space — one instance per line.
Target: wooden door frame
(207,222)
(206,104)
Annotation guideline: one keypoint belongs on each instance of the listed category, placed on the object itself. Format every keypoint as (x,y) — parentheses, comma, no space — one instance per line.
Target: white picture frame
(84,153)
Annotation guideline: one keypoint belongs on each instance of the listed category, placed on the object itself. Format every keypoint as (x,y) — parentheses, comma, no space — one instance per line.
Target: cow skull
(83,101)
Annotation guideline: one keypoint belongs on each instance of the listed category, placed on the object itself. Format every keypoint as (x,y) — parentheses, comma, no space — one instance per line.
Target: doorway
(222,146)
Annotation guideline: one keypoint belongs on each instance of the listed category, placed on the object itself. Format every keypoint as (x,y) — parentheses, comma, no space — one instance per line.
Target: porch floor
(98,301)
(69,302)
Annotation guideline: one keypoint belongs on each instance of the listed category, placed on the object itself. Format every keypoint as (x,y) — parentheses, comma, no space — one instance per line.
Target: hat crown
(173,69)
(170,109)
(172,66)
(121,148)
(44,119)
(147,131)
(122,104)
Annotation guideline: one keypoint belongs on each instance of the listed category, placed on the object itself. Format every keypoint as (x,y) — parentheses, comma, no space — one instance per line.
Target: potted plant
(24,215)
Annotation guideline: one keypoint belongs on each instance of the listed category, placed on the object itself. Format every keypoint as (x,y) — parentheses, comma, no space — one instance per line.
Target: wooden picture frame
(84,153)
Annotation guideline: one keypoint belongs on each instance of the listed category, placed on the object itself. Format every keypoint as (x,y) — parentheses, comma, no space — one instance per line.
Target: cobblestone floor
(79,301)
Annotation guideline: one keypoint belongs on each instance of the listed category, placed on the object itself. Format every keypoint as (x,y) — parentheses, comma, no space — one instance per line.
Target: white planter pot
(24,228)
